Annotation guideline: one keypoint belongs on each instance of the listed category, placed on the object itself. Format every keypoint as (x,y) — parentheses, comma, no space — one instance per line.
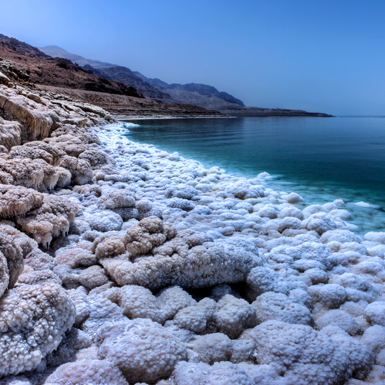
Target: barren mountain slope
(43,69)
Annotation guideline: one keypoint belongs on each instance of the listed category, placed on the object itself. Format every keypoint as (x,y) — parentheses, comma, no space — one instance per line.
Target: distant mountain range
(27,64)
(55,51)
(200,95)
(123,92)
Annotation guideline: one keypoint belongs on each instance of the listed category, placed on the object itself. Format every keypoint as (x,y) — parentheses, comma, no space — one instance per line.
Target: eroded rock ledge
(123,264)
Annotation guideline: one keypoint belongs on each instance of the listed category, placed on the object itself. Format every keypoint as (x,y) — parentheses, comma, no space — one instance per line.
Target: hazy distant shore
(266,112)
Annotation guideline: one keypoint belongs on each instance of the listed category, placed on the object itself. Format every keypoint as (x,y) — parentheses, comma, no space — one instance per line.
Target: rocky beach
(123,264)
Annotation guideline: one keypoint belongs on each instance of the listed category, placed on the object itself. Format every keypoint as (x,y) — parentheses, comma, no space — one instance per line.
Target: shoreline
(129,253)
(159,117)
(366,214)
(274,182)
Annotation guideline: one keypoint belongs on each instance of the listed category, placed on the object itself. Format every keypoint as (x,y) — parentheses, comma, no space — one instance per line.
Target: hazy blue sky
(318,55)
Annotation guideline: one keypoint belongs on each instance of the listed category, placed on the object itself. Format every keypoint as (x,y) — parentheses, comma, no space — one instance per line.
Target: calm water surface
(321,158)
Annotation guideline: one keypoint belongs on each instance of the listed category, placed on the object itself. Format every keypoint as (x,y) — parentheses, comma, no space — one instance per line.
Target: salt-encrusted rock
(104,221)
(303,355)
(37,150)
(342,236)
(187,373)
(330,295)
(316,275)
(263,374)
(31,277)
(50,220)
(24,172)
(88,190)
(234,315)
(319,222)
(277,306)
(87,372)
(18,237)
(361,357)
(291,211)
(375,237)
(36,117)
(375,313)
(81,303)
(289,223)
(139,302)
(340,319)
(11,261)
(10,134)
(93,276)
(39,260)
(268,212)
(263,279)
(68,276)
(340,214)
(73,257)
(96,158)
(244,190)
(179,203)
(116,199)
(184,264)
(184,192)
(374,338)
(306,256)
(80,169)
(211,348)
(17,200)
(79,227)
(196,318)
(73,341)
(139,239)
(101,311)
(357,288)
(33,320)
(142,350)
(293,198)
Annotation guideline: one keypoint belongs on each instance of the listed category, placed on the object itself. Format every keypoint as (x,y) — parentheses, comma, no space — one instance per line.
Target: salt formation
(33,319)
(123,264)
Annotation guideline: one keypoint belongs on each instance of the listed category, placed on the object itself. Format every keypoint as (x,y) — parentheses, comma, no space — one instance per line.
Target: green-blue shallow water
(322,158)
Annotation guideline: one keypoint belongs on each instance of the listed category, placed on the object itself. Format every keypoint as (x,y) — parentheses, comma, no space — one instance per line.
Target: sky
(323,56)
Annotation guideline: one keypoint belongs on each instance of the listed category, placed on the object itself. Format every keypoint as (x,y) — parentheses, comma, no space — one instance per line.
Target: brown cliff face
(43,69)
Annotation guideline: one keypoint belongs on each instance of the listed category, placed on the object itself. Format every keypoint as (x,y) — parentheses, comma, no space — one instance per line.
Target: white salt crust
(185,275)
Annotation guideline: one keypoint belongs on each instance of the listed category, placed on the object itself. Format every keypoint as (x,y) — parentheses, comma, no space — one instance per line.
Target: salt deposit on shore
(133,265)
(281,295)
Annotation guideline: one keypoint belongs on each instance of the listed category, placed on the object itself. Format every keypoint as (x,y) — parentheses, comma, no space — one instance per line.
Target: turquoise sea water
(320,158)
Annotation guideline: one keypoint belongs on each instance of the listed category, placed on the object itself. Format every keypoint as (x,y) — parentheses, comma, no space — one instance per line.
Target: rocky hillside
(28,64)
(199,95)
(126,76)
(201,89)
(43,69)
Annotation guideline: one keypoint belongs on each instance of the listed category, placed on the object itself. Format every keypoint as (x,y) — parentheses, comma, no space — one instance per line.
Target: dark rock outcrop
(126,76)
